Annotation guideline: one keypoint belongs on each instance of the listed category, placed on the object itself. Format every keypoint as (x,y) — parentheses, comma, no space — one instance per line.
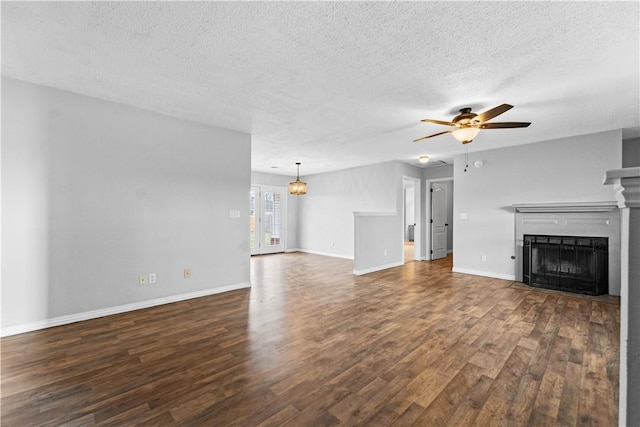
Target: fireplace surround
(566,263)
(586,219)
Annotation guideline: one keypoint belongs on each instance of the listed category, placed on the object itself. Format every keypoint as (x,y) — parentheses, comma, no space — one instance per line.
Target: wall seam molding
(377,268)
(484,273)
(94,314)
(325,254)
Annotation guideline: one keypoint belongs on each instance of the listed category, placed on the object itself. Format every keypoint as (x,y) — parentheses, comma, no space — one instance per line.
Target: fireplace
(600,220)
(567,263)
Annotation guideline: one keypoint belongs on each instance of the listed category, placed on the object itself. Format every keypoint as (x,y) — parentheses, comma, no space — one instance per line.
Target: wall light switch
(463,216)
(143,279)
(234,213)
(187,273)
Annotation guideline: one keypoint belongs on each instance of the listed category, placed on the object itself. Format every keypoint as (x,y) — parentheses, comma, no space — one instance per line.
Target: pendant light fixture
(297,187)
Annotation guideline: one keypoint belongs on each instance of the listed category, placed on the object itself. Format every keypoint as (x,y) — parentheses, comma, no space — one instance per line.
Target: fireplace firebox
(566,263)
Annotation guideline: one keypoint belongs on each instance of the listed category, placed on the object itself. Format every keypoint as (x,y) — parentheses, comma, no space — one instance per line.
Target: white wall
(326,222)
(450,191)
(326,212)
(409,207)
(563,170)
(631,152)
(377,242)
(96,193)
(435,172)
(260,178)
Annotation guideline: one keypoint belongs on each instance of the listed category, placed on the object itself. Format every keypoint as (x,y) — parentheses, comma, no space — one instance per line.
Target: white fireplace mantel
(565,207)
(626,184)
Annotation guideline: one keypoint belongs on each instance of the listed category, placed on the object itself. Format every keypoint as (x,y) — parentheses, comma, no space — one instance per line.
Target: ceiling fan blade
(438,122)
(504,125)
(490,114)
(431,136)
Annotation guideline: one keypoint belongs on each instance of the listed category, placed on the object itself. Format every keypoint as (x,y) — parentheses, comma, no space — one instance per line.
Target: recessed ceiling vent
(436,163)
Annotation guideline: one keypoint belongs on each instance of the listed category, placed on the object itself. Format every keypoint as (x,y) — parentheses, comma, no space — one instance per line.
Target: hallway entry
(411,235)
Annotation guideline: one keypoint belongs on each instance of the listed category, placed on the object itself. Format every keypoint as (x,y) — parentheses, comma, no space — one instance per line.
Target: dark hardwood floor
(313,345)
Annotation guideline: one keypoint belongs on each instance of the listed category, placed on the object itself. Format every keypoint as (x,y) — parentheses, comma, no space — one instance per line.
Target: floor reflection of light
(266,307)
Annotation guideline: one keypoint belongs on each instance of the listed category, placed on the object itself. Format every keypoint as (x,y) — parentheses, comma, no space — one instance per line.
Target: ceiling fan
(468,124)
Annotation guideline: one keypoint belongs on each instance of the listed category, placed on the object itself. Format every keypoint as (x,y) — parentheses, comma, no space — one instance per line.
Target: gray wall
(563,170)
(631,152)
(450,230)
(260,178)
(326,212)
(435,172)
(409,209)
(96,194)
(377,242)
(633,327)
(326,223)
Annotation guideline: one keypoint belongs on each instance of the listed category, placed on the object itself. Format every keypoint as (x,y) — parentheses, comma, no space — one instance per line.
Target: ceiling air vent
(436,163)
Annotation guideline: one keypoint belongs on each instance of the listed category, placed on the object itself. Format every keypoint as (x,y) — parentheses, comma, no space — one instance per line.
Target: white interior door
(267,218)
(438,221)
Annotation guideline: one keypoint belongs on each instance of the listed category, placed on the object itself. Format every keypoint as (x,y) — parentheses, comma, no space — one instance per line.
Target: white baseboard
(484,273)
(72,318)
(325,254)
(378,268)
(293,250)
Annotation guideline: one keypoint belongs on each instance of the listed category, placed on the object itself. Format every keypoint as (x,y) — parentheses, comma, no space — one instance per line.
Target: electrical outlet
(385,252)
(484,258)
(143,279)
(187,273)
(152,277)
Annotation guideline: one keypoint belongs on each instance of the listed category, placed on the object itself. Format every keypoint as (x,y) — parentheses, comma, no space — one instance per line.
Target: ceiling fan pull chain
(466,158)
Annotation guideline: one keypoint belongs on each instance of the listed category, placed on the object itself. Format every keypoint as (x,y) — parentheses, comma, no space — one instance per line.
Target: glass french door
(266,219)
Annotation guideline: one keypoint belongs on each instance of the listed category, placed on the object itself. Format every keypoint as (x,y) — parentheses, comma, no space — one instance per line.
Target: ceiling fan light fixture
(297,187)
(465,134)
(423,159)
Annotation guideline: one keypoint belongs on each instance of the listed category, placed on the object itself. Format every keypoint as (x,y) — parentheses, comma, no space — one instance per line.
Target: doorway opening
(267,213)
(411,235)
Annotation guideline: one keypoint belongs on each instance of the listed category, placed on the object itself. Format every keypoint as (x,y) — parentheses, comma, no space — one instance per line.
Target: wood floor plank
(456,391)
(569,400)
(312,344)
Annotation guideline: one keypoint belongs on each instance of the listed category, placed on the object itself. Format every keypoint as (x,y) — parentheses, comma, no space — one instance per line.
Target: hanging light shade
(297,187)
(465,134)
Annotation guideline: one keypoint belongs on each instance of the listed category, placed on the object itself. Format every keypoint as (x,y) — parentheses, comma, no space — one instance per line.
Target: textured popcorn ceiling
(341,84)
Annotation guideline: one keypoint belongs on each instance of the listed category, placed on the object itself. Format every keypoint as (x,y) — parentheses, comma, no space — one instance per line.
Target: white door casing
(254,220)
(267,219)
